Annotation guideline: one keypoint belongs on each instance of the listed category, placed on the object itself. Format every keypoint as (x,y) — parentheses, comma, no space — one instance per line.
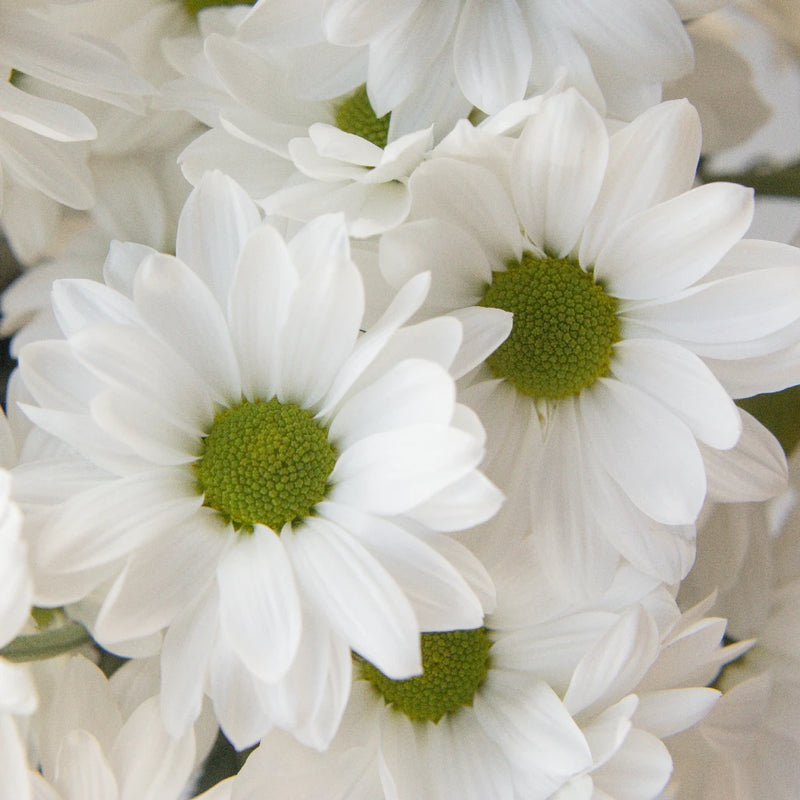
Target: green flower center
(454,665)
(265,462)
(194,6)
(355,115)
(565,326)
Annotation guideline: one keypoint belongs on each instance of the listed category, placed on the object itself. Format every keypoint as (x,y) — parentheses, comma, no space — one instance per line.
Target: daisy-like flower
(492,53)
(136,184)
(35,132)
(635,307)
(296,157)
(546,699)
(259,480)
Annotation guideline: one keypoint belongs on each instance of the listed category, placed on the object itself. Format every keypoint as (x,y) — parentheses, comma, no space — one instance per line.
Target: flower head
(265,483)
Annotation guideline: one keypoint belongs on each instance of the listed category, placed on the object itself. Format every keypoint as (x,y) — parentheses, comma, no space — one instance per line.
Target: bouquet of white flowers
(399,400)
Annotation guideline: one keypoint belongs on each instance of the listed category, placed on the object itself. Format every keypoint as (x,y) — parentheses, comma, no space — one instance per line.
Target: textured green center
(265,462)
(564,329)
(355,115)
(194,6)
(454,664)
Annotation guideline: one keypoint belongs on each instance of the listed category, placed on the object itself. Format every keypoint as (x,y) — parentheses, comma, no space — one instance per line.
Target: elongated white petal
(79,302)
(648,451)
(181,311)
(389,473)
(679,379)
(668,247)
(441,598)
(214,223)
(664,145)
(163,577)
(361,601)
(411,393)
(492,53)
(259,604)
(82,769)
(148,763)
(557,168)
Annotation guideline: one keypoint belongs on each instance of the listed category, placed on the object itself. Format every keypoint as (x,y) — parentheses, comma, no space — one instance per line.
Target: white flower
(296,157)
(265,557)
(637,314)
(490,53)
(136,187)
(35,132)
(548,699)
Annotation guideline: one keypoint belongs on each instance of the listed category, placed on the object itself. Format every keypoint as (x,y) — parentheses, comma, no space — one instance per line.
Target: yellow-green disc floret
(265,462)
(194,6)
(355,115)
(454,665)
(564,329)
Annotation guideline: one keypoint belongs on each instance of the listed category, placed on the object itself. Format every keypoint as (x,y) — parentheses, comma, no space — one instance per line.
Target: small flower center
(355,115)
(195,6)
(454,665)
(565,326)
(265,462)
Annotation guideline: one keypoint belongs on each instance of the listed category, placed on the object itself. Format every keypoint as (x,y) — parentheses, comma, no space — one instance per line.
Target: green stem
(47,644)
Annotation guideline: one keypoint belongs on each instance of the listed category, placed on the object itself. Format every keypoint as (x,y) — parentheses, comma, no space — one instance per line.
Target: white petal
(359,598)
(184,663)
(470,197)
(668,247)
(133,360)
(259,306)
(326,312)
(368,347)
(111,520)
(460,270)
(411,393)
(13,762)
(441,598)
(57,121)
(671,711)
(682,382)
(79,302)
(150,764)
(259,604)
(663,144)
(615,663)
(163,578)
(485,329)
(310,699)
(646,449)
(214,223)
(492,53)
(557,169)
(236,694)
(132,419)
(529,723)
(180,309)
(740,308)
(754,470)
(641,768)
(390,473)
(82,770)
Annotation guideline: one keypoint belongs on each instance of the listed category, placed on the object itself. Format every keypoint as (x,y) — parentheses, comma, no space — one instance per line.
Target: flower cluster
(377,423)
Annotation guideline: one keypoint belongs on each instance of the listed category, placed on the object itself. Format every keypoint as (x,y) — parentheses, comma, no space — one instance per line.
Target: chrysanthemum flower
(35,131)
(296,157)
(253,475)
(635,307)
(546,699)
(491,53)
